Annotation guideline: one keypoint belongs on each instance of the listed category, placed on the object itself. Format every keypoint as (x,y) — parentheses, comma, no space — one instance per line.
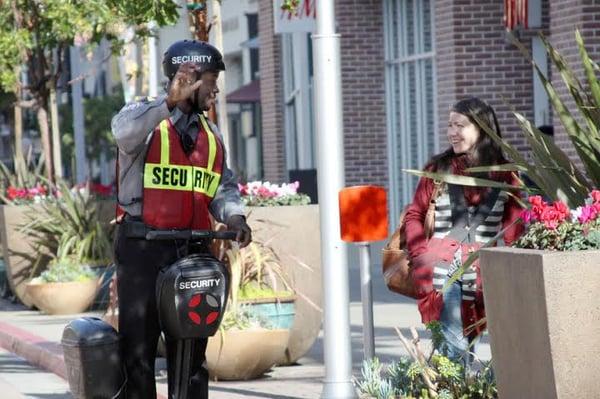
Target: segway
(191,296)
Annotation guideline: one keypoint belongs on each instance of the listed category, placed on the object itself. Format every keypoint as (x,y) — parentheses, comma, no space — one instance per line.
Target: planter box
(18,268)
(544,321)
(63,298)
(244,354)
(293,233)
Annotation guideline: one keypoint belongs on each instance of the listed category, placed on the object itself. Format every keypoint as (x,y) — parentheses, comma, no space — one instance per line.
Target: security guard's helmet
(206,56)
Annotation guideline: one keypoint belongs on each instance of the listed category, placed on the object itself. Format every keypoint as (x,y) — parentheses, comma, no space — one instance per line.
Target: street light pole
(330,160)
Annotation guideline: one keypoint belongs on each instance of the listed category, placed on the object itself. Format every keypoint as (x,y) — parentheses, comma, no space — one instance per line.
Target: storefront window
(410,93)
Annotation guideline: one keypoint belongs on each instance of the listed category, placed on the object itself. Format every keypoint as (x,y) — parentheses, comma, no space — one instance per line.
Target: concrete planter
(63,298)
(18,268)
(293,233)
(544,321)
(244,354)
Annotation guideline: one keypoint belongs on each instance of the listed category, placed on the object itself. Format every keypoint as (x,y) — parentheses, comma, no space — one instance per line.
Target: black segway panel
(191,296)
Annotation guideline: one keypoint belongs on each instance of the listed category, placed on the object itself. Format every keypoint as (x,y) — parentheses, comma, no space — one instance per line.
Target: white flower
(576,213)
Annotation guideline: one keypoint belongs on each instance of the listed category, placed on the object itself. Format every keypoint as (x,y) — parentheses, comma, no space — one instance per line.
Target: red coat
(425,254)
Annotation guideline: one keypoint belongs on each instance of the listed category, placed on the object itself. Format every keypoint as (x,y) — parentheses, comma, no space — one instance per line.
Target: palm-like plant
(556,175)
(68,228)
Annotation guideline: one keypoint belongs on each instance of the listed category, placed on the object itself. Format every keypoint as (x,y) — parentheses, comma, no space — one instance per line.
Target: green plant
(256,271)
(68,228)
(422,377)
(65,271)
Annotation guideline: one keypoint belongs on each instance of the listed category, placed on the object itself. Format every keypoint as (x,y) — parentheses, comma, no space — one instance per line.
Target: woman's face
(462,133)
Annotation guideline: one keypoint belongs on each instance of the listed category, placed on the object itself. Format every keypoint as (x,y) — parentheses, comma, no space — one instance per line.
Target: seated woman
(465,218)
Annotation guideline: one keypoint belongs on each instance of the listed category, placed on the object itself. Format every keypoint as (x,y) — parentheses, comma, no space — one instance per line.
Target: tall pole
(221,97)
(330,161)
(78,123)
(152,61)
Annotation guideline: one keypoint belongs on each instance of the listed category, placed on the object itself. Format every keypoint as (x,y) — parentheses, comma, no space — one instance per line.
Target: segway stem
(182,368)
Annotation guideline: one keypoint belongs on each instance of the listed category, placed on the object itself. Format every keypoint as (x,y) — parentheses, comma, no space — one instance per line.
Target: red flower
(595,196)
(562,209)
(537,200)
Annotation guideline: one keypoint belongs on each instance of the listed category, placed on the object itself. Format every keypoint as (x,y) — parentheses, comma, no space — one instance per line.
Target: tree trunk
(56,143)
(42,117)
(19,160)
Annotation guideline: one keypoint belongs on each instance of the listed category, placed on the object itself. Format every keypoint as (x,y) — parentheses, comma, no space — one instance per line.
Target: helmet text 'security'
(206,56)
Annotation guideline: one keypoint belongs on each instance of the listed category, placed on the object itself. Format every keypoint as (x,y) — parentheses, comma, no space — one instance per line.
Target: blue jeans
(457,346)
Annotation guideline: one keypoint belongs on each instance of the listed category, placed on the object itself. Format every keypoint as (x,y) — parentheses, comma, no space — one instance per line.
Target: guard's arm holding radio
(135,121)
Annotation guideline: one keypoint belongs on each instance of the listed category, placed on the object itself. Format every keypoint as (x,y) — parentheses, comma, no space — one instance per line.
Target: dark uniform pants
(138,264)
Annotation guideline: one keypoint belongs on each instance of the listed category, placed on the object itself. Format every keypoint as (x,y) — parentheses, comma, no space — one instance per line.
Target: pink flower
(551,224)
(526,216)
(595,196)
(588,213)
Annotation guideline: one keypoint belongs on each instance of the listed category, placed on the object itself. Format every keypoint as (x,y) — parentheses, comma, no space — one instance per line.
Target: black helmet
(206,56)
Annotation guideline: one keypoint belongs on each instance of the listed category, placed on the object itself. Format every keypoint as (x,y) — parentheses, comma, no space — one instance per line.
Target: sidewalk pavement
(36,338)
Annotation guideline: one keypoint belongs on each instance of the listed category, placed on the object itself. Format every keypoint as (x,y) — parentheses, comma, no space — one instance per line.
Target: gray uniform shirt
(132,128)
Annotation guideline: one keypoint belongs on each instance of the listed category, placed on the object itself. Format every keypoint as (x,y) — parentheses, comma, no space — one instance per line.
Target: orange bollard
(363,219)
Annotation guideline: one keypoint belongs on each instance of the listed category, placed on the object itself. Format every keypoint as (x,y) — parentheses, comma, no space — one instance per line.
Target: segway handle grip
(220,235)
(189,235)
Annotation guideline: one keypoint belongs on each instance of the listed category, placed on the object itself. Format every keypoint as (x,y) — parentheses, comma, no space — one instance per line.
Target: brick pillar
(565,17)
(271,96)
(360,24)
(474,58)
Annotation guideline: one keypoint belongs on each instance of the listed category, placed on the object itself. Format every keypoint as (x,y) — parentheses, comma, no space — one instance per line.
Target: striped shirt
(487,230)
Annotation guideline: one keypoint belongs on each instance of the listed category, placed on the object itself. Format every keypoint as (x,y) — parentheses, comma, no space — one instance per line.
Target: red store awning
(249,93)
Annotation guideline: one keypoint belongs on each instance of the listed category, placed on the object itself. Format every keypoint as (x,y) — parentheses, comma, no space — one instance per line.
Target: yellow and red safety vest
(178,187)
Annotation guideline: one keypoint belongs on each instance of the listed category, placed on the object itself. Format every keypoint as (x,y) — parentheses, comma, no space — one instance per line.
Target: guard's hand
(184,84)
(238,224)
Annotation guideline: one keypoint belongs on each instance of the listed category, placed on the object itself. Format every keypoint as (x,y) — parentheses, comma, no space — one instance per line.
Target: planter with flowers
(65,236)
(541,303)
(284,220)
(23,191)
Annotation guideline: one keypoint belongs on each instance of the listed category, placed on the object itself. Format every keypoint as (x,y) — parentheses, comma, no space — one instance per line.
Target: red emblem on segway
(203,309)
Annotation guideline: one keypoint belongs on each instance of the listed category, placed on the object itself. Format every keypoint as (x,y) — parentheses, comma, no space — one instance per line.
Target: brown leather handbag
(395,260)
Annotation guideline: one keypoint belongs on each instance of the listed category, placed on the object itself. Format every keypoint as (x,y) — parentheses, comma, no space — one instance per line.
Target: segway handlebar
(190,235)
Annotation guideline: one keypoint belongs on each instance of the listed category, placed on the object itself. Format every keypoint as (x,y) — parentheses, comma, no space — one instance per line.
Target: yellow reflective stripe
(205,181)
(169,177)
(164,142)
(182,178)
(212,143)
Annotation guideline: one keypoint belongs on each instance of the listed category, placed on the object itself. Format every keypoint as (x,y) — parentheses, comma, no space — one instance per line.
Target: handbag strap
(429,223)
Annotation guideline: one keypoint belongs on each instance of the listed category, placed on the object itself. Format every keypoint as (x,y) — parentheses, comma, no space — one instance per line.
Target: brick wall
(360,23)
(271,92)
(566,16)
(474,58)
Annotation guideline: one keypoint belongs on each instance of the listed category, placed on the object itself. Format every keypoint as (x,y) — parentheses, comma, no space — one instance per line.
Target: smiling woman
(465,219)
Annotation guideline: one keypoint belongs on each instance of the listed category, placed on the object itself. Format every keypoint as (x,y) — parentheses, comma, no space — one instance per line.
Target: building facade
(404,63)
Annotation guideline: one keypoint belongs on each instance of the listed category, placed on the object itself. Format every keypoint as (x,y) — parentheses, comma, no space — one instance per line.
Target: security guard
(172,174)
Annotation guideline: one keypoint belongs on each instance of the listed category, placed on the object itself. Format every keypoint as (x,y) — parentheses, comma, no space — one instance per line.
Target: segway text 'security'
(191,295)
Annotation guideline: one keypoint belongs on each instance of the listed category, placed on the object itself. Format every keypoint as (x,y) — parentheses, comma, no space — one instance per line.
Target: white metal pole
(330,161)
(78,123)
(217,30)
(152,61)
(366,295)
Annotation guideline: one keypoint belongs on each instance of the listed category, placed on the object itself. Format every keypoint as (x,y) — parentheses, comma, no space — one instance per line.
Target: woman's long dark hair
(486,151)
